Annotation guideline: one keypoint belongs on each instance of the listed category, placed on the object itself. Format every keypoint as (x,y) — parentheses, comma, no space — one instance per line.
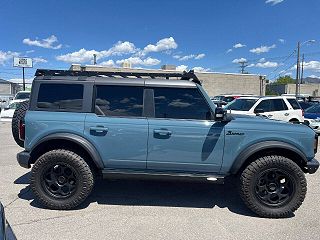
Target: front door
(117,128)
(182,134)
(274,109)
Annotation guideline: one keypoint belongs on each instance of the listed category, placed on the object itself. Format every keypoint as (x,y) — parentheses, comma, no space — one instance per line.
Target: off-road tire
(85,179)
(249,177)
(18,115)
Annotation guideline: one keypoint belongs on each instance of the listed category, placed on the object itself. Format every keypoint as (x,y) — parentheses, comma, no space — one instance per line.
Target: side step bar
(116,173)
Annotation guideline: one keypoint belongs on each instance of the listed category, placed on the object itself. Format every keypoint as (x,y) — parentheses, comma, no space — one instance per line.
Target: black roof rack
(183,76)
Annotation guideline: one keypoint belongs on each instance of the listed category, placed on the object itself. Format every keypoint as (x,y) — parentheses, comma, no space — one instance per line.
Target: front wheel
(273,186)
(61,179)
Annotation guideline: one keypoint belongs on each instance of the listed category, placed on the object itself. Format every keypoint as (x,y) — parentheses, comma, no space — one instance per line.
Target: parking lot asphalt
(141,209)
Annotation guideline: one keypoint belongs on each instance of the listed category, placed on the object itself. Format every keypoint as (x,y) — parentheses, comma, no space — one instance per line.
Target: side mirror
(6,108)
(219,114)
(258,111)
(306,122)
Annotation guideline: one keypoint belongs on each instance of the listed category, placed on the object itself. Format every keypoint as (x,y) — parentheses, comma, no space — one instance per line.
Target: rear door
(117,127)
(182,134)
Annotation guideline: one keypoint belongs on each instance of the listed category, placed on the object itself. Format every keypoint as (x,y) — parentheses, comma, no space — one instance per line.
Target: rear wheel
(294,121)
(61,179)
(273,186)
(18,116)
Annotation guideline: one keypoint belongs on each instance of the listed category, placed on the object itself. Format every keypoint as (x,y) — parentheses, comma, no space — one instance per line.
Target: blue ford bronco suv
(82,125)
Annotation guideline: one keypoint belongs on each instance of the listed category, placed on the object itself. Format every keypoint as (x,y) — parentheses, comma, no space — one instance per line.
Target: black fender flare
(81,141)
(249,151)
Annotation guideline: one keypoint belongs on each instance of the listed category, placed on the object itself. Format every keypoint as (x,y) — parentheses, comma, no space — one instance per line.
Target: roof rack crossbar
(57,73)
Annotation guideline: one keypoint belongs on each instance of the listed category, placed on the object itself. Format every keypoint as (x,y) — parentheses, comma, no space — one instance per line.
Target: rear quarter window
(60,97)
(294,103)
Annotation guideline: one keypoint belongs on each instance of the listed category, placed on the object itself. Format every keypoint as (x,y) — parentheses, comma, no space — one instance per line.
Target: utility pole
(298,68)
(94,59)
(301,77)
(23,80)
(243,66)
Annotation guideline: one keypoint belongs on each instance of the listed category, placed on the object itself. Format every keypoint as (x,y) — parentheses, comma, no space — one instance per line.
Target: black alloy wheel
(60,180)
(274,187)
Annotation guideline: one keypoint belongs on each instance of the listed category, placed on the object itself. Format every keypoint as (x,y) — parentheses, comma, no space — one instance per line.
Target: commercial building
(214,83)
(8,88)
(312,89)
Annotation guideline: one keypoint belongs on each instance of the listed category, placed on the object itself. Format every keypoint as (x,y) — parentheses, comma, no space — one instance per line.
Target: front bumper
(23,159)
(312,166)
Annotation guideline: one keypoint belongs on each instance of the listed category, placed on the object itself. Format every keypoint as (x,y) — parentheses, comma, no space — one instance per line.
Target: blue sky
(208,35)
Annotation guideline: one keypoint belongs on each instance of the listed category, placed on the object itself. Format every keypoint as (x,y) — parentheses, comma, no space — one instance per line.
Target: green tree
(284,80)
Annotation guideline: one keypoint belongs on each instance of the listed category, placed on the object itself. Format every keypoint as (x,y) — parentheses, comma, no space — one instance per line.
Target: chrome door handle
(162,132)
(98,131)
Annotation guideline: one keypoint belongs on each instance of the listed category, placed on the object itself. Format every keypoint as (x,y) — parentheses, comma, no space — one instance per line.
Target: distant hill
(311,80)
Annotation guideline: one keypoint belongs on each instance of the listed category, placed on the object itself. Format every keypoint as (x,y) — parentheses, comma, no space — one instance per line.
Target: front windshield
(241,104)
(23,95)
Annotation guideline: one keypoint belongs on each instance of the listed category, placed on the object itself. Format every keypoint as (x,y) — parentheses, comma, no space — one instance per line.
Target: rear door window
(278,105)
(119,101)
(63,97)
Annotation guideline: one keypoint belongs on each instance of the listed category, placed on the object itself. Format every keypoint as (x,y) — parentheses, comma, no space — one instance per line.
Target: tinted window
(241,104)
(60,96)
(228,99)
(294,103)
(278,105)
(180,104)
(23,95)
(121,101)
(313,109)
(264,105)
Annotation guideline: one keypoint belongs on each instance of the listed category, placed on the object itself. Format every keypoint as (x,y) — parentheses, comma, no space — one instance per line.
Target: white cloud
(7,56)
(262,49)
(191,56)
(262,63)
(312,65)
(30,51)
(199,56)
(164,44)
(281,40)
(80,56)
(314,76)
(201,69)
(109,63)
(239,45)
(274,2)
(44,43)
(39,60)
(229,50)
(267,64)
(239,60)
(182,68)
(120,48)
(83,55)
(138,61)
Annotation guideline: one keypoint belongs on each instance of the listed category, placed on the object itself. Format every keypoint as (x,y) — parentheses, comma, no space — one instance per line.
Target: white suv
(279,108)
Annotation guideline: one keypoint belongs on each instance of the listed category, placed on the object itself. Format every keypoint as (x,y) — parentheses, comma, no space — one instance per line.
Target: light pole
(298,63)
